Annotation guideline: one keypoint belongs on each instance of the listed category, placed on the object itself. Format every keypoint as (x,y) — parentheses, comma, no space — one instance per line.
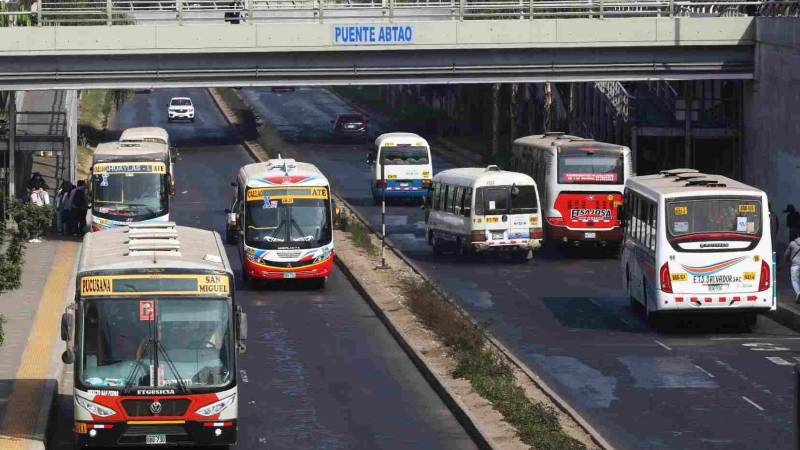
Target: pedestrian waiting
(792,221)
(792,254)
(79,205)
(63,206)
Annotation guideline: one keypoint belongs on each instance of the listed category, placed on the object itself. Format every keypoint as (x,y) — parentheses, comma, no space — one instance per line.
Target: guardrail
(119,12)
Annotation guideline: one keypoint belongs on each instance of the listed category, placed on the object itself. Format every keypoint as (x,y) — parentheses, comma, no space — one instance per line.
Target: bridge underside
(376,67)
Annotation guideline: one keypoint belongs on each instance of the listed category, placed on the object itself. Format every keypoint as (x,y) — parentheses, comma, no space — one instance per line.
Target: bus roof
(482,176)
(153,245)
(566,141)
(141,151)
(282,171)
(670,184)
(400,138)
(139,133)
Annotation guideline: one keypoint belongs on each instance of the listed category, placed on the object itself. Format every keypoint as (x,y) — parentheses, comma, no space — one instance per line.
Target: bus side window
(451,199)
(636,215)
(467,208)
(445,192)
(479,211)
(652,227)
(458,200)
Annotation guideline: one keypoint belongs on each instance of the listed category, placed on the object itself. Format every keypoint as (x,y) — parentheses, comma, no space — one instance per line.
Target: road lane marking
(622,319)
(704,371)
(779,361)
(764,347)
(752,403)
(18,428)
(594,302)
(663,344)
(771,338)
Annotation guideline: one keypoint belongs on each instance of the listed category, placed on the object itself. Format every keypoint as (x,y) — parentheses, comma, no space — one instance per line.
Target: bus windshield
(714,218)
(577,166)
(121,337)
(407,155)
(287,218)
(506,200)
(136,196)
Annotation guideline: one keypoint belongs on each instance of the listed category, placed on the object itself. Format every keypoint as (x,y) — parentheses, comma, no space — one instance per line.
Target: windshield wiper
(131,378)
(172,367)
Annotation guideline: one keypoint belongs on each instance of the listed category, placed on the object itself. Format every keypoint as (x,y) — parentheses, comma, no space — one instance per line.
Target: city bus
(697,243)
(154,334)
(482,210)
(401,166)
(281,218)
(581,182)
(129,183)
(145,134)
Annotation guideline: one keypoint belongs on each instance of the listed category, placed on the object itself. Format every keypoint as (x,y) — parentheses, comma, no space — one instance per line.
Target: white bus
(401,166)
(696,242)
(581,182)
(130,183)
(145,134)
(282,218)
(475,210)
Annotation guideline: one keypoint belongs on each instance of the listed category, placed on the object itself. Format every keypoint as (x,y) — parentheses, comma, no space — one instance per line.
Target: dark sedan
(350,127)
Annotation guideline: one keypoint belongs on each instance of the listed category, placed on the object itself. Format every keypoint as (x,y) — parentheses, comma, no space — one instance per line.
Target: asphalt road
(699,385)
(321,371)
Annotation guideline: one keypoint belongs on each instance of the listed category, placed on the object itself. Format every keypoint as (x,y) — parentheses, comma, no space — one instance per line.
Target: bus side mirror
(241,324)
(68,357)
(67,326)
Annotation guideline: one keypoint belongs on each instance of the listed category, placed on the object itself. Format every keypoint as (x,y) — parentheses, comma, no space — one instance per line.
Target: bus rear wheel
(521,256)
(438,248)
(750,320)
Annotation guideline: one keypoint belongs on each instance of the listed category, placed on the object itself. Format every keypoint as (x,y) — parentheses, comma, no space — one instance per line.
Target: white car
(180,108)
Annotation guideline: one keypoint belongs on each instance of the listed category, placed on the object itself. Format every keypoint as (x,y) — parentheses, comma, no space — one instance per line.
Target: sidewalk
(30,364)
(788,313)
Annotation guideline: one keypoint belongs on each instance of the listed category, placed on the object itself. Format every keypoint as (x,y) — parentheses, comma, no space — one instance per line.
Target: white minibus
(696,242)
(475,210)
(401,166)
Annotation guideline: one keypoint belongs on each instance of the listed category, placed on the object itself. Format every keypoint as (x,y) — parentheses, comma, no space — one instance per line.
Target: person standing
(792,254)
(774,223)
(792,221)
(79,205)
(62,205)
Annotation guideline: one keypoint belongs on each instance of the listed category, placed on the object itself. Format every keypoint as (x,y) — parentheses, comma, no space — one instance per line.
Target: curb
(456,407)
(50,391)
(786,317)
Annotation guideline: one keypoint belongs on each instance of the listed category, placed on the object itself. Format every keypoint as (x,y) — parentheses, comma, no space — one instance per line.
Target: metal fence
(114,12)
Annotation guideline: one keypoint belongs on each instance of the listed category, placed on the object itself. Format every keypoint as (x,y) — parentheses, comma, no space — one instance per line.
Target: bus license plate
(289,275)
(590,235)
(155,439)
(717,287)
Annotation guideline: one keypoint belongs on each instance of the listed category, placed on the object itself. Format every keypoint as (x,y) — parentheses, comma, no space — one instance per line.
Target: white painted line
(662,344)
(625,322)
(775,338)
(779,361)
(704,371)
(752,403)
(797,358)
(592,301)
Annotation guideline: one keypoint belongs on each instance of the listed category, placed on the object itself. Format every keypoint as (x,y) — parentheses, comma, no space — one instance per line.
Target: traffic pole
(797,407)
(383,218)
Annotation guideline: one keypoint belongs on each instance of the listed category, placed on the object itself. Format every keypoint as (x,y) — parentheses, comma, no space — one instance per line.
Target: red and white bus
(154,334)
(282,219)
(581,183)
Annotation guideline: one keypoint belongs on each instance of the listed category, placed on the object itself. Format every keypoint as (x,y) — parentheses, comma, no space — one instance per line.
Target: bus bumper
(189,434)
(506,246)
(565,234)
(267,272)
(758,302)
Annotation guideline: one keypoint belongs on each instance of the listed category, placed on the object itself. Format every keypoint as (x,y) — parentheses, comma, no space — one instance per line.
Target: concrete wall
(771,151)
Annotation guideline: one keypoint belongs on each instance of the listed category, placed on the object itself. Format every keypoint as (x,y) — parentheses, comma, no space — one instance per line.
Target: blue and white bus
(401,166)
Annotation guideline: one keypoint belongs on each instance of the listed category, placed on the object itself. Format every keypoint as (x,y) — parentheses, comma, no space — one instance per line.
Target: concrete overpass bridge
(147,43)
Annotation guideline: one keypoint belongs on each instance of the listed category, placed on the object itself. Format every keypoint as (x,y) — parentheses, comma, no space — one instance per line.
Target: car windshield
(506,200)
(180,102)
(130,195)
(407,155)
(121,337)
(590,166)
(287,218)
(703,216)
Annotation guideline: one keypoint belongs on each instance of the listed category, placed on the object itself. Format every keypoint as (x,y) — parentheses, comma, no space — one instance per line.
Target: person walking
(79,205)
(792,254)
(792,221)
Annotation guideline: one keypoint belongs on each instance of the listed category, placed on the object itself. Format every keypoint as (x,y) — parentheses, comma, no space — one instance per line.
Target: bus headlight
(326,253)
(216,407)
(94,408)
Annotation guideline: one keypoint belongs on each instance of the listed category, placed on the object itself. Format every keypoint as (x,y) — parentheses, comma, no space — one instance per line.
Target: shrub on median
(487,371)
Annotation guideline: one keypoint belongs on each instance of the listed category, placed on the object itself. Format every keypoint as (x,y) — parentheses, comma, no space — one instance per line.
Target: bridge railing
(113,12)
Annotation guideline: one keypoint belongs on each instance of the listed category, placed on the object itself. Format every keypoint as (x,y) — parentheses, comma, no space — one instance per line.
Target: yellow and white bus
(479,210)
(697,243)
(130,183)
